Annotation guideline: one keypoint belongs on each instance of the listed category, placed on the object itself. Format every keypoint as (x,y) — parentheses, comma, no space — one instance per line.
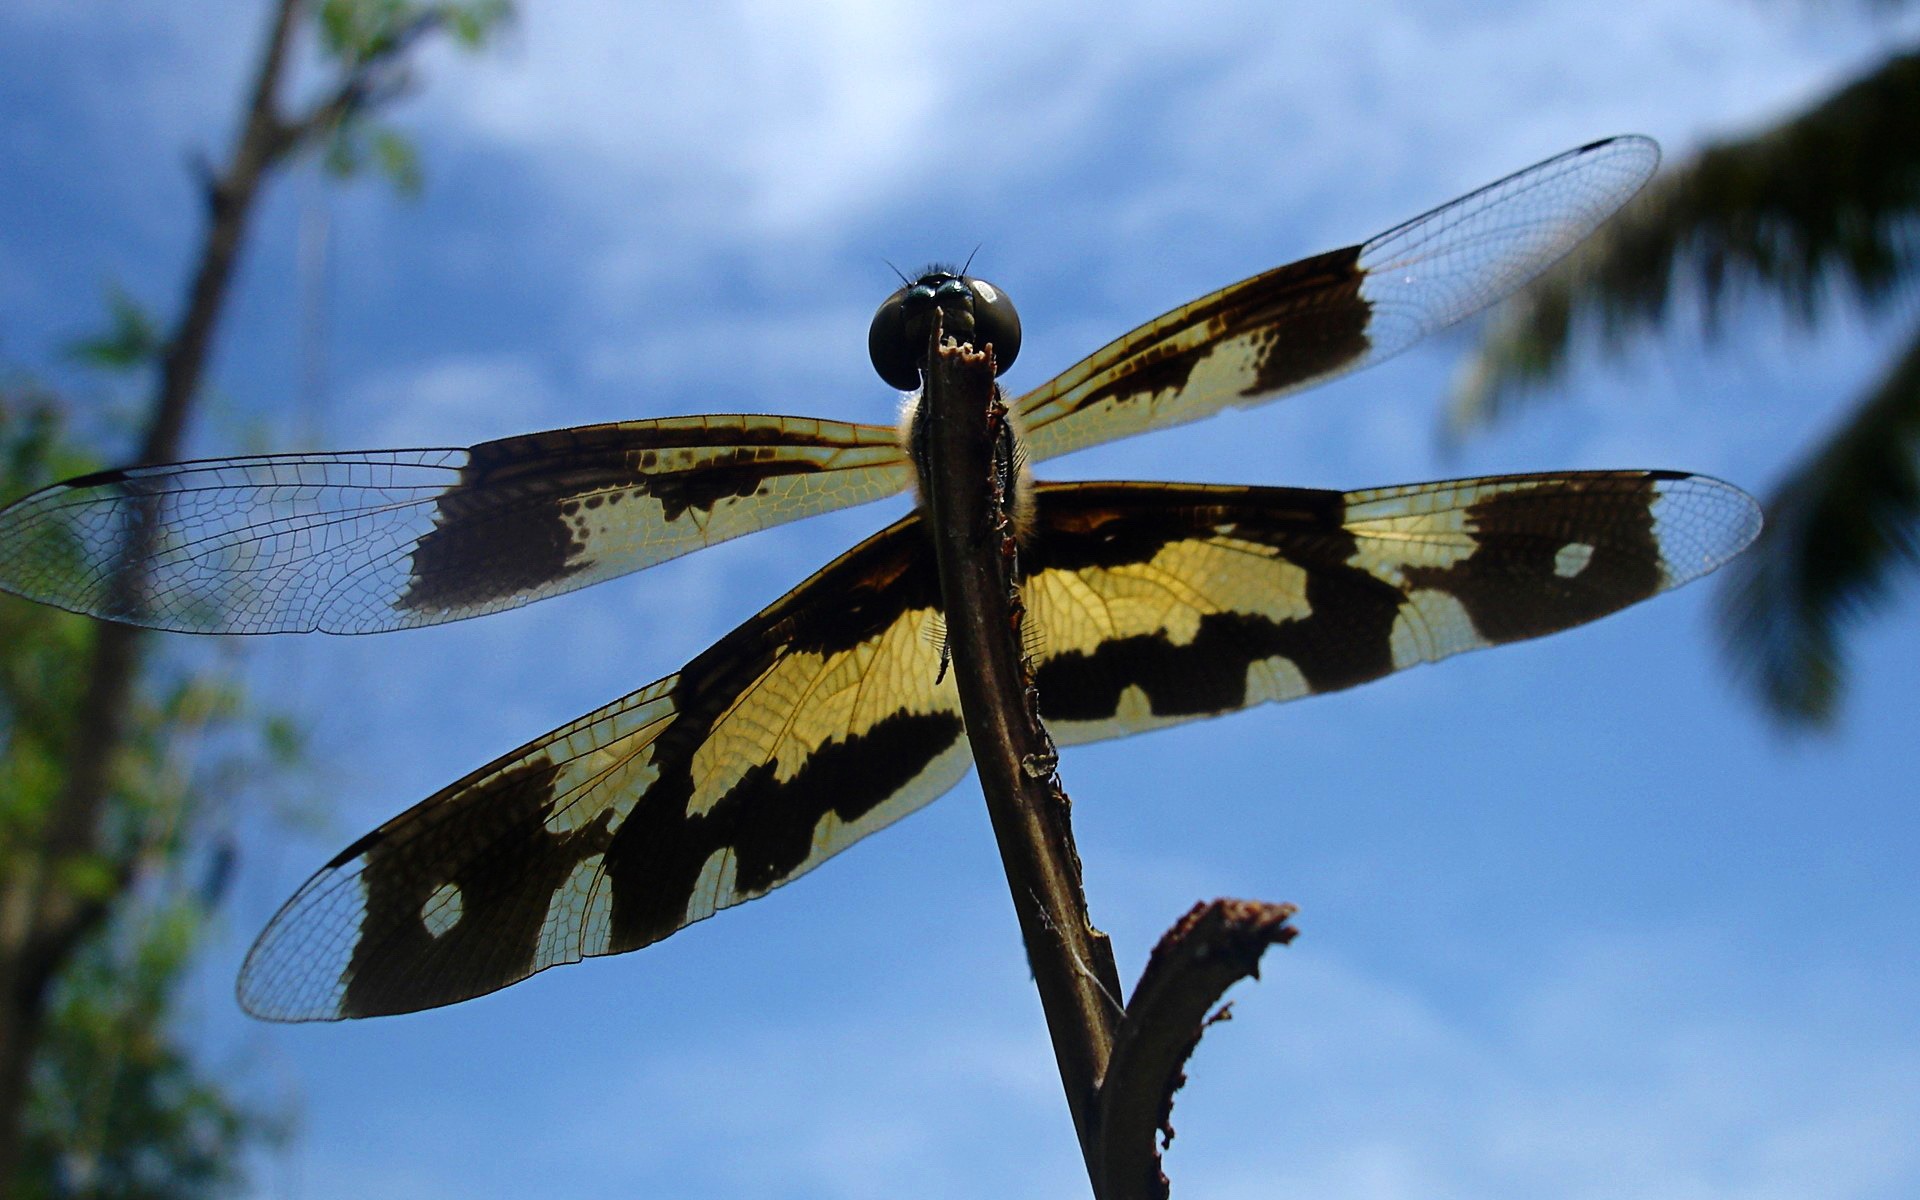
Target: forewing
(1160,603)
(815,723)
(1309,321)
(388,539)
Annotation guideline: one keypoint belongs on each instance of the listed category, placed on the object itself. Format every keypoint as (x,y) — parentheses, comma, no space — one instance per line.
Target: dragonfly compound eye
(891,344)
(973,310)
(995,322)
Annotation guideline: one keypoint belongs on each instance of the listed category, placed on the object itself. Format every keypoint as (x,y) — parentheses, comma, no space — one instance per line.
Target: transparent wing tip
(1702,523)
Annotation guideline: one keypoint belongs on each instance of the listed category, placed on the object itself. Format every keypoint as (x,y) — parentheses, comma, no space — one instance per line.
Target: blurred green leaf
(473,22)
(285,739)
(89,877)
(358,31)
(397,159)
(358,144)
(131,340)
(345,153)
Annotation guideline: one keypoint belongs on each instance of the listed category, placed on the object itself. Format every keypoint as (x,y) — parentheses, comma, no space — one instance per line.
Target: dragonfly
(829,715)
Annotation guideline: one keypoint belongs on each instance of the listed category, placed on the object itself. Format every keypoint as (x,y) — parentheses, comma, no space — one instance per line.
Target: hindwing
(827,716)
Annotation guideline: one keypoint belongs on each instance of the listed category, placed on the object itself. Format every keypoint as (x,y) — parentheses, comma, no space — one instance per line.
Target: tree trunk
(44,916)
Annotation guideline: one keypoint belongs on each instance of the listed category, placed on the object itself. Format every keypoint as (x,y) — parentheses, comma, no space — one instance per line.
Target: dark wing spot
(504,530)
(738,474)
(397,965)
(1345,639)
(1510,587)
(479,551)
(773,822)
(655,859)
(1306,318)
(1310,317)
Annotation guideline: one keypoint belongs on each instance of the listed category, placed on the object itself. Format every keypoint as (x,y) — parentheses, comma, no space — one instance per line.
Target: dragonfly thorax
(971,310)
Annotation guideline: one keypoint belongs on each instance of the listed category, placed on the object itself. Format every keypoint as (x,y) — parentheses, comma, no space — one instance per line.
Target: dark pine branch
(1838,529)
(1826,200)
(1825,204)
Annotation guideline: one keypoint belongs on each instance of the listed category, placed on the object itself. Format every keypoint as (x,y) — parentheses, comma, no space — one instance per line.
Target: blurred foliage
(118,1103)
(39,647)
(367,33)
(131,340)
(1821,207)
(358,144)
(356,31)
(1838,528)
(119,1107)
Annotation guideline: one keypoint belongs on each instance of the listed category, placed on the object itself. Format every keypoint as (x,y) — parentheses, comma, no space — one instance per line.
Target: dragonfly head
(971,310)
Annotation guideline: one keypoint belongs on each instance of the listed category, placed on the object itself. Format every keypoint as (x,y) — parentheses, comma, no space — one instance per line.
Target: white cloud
(456,400)
(1649,1067)
(1143,153)
(633,98)
(780,118)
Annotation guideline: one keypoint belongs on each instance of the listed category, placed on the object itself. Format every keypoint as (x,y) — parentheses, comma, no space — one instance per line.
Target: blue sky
(1576,922)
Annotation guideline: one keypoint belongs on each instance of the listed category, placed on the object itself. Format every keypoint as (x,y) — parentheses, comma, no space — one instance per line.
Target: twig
(1211,948)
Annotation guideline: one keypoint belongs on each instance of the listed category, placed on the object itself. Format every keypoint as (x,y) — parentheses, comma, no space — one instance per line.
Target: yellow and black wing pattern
(810,726)
(1160,603)
(361,542)
(1307,322)
(826,716)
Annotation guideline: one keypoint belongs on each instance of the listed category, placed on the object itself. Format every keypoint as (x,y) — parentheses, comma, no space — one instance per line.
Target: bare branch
(969,469)
(369,82)
(1207,951)
(41,920)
